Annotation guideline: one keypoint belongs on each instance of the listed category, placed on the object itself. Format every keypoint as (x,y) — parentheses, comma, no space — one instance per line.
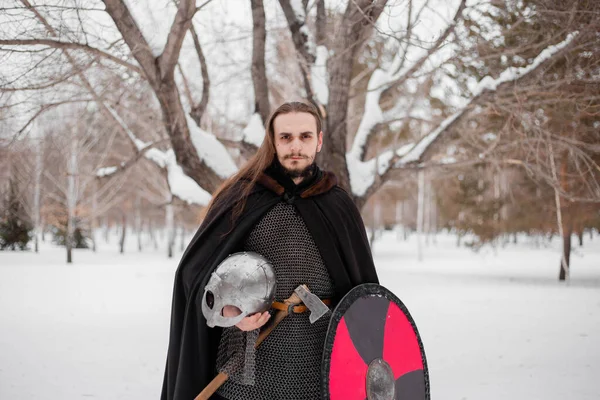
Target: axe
(301,295)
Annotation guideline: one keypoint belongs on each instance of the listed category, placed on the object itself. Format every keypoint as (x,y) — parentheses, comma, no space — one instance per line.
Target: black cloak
(332,219)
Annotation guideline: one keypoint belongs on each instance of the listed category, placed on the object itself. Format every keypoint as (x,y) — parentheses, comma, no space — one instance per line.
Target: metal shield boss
(373,349)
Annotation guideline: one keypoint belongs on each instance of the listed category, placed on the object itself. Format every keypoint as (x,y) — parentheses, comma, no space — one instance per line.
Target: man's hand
(249,323)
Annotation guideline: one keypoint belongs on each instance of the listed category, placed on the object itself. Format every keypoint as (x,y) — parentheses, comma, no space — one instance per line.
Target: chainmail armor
(287,365)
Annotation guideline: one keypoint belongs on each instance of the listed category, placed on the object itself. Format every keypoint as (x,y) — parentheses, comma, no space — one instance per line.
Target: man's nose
(296,145)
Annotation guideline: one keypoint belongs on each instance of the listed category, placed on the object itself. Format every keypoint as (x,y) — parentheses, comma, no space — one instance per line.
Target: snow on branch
(298,10)
(180,184)
(319,75)
(417,150)
(383,79)
(512,74)
(488,84)
(363,174)
(254,132)
(137,142)
(302,37)
(211,151)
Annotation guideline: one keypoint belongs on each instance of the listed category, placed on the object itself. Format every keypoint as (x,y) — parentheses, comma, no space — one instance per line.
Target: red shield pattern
(373,349)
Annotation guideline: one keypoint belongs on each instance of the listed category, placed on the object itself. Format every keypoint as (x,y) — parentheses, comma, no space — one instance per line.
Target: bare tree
(384,95)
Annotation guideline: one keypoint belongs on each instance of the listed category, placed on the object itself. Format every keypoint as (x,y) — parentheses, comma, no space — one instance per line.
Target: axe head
(312,302)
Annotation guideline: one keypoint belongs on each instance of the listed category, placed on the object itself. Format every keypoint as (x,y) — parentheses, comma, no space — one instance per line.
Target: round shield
(373,349)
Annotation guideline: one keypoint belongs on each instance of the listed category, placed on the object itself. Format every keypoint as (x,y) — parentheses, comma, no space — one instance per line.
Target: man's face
(296,141)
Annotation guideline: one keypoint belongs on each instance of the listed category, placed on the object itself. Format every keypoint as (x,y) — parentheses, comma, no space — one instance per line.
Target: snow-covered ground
(496,325)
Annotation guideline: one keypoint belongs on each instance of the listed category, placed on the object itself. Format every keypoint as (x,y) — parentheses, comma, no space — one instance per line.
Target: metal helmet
(245,280)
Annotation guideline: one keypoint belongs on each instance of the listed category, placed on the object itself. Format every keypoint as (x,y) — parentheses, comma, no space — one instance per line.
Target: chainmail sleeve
(237,356)
(287,365)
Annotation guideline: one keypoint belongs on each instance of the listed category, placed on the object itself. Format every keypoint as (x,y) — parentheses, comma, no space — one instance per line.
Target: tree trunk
(36,198)
(566,256)
(399,222)
(434,219)
(427,211)
(71,198)
(123,234)
(169,222)
(152,233)
(259,71)
(69,253)
(106,229)
(565,227)
(94,218)
(580,235)
(421,198)
(182,237)
(138,221)
(161,77)
(346,46)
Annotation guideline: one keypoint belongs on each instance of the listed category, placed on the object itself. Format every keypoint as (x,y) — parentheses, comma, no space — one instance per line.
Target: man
(282,206)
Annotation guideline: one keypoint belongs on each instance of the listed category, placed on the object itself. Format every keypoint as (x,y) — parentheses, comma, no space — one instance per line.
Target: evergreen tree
(80,236)
(14,227)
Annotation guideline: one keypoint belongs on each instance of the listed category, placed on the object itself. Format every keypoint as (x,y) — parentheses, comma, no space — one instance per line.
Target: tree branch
(348,41)
(259,71)
(132,35)
(321,23)
(300,34)
(86,83)
(78,46)
(170,55)
(416,66)
(199,109)
(114,171)
(302,42)
(487,88)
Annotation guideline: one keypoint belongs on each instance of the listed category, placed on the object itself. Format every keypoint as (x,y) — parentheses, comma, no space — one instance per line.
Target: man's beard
(299,173)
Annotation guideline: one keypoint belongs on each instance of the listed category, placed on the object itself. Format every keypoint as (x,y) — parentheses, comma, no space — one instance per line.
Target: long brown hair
(247,176)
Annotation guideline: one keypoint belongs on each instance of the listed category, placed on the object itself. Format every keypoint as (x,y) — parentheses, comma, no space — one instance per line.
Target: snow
(415,153)
(309,44)
(139,144)
(298,10)
(495,324)
(102,172)
(362,173)
(511,74)
(211,151)
(487,83)
(254,132)
(182,185)
(430,25)
(319,75)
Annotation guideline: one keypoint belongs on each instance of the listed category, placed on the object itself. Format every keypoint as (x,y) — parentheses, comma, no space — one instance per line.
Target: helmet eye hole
(210,299)
(230,311)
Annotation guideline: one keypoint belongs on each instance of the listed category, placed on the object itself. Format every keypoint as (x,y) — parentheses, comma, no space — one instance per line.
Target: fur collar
(327,181)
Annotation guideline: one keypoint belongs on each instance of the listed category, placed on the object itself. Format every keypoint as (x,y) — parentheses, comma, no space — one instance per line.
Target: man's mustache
(294,155)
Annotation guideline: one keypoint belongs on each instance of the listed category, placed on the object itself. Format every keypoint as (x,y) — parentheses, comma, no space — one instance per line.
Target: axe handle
(279,316)
(213,386)
(222,377)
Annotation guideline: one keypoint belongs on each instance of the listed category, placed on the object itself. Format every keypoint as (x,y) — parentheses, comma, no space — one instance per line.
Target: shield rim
(365,289)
